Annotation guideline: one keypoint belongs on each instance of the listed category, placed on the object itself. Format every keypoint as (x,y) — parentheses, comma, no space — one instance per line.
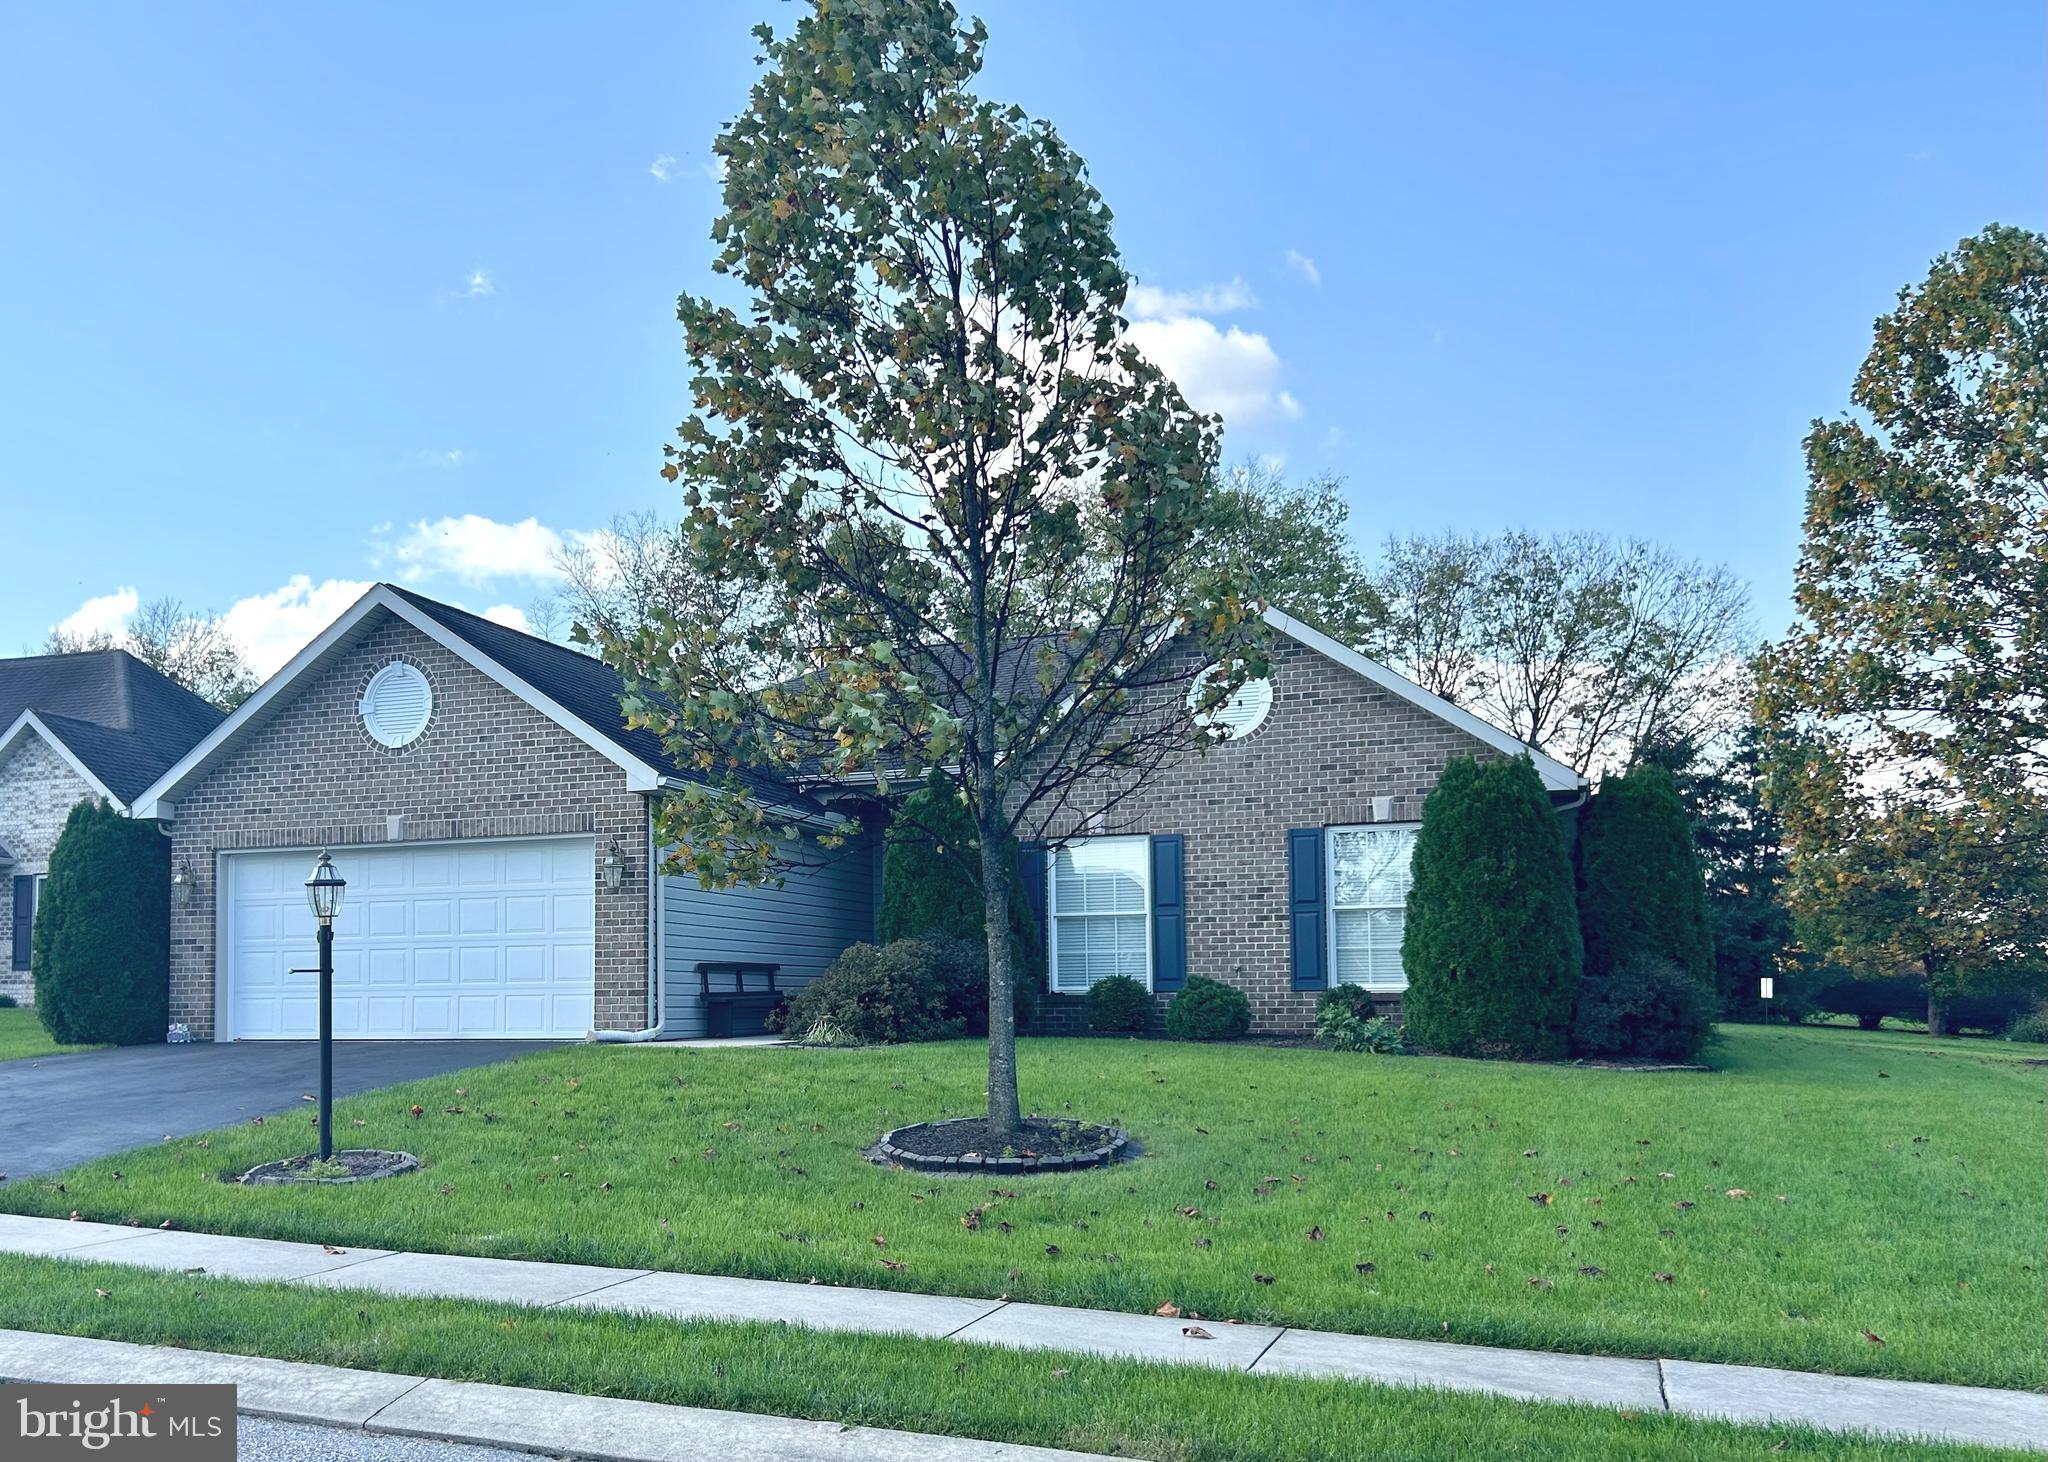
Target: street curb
(559,1423)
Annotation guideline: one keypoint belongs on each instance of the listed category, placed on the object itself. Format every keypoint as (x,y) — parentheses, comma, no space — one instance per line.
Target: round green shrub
(101,951)
(1648,1008)
(875,997)
(1340,1027)
(7,1002)
(2030,1026)
(1208,1010)
(1118,1005)
(1354,998)
(962,968)
(1492,942)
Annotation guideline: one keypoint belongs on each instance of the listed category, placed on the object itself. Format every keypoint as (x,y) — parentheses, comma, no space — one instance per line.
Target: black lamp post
(323,892)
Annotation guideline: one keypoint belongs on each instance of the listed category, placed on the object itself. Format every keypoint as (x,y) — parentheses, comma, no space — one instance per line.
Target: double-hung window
(1369,882)
(28,895)
(1099,908)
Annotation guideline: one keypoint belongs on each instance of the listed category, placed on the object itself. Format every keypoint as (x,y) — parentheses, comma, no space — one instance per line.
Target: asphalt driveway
(60,1110)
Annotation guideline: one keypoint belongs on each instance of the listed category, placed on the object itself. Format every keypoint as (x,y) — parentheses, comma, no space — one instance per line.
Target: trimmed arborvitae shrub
(1492,942)
(1647,1008)
(931,883)
(874,997)
(1641,893)
(1118,1005)
(101,949)
(926,857)
(1208,1010)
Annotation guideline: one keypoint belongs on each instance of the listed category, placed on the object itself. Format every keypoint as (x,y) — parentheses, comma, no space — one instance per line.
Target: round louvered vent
(1237,717)
(396,704)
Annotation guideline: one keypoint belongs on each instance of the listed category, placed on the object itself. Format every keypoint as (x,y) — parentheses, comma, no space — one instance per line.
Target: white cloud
(473,549)
(104,614)
(453,457)
(271,628)
(664,167)
(1144,302)
(1231,373)
(1301,264)
(509,615)
(479,284)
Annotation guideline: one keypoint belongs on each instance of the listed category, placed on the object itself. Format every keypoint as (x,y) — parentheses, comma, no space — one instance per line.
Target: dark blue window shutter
(1169,914)
(1307,933)
(1031,880)
(24,916)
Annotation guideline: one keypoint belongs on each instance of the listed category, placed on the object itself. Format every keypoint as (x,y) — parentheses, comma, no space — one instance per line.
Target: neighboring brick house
(489,808)
(100,724)
(1277,861)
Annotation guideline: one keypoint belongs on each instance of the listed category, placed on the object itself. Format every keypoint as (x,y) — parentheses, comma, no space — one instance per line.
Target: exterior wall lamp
(613,866)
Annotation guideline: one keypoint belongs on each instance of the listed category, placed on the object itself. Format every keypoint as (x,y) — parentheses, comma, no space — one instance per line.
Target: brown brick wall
(1332,742)
(38,789)
(488,765)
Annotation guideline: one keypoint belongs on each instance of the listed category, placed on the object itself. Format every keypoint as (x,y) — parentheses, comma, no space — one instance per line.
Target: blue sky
(293,297)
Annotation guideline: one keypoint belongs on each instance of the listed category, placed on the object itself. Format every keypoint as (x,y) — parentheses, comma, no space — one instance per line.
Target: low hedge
(1208,1010)
(1118,1005)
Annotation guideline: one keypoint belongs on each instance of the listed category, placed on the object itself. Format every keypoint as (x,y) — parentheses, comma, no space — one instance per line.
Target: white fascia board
(27,722)
(640,777)
(1557,777)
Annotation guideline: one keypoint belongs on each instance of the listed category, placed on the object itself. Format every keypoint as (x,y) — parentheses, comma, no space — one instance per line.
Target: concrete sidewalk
(1740,1393)
(552,1422)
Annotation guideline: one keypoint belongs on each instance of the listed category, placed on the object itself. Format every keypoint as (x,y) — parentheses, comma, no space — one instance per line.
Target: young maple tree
(960,518)
(1909,708)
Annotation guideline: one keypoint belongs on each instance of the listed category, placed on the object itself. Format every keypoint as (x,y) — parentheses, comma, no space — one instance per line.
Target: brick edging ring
(1112,1149)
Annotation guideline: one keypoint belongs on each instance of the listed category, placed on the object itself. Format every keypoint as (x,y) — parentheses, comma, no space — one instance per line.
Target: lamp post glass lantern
(323,892)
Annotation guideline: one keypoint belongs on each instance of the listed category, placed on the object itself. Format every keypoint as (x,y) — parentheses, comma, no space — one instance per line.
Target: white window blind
(1369,883)
(1099,903)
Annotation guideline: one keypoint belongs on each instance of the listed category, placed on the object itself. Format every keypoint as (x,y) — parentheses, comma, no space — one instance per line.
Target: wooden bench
(731,1006)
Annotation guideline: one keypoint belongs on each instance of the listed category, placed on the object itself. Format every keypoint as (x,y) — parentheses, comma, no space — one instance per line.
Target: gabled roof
(576,691)
(119,723)
(1557,777)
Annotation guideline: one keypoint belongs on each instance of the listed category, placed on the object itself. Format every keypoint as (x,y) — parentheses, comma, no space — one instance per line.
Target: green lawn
(1889,1190)
(22,1036)
(1050,1399)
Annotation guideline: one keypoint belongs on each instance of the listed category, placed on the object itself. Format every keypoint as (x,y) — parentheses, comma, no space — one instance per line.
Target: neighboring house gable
(99,724)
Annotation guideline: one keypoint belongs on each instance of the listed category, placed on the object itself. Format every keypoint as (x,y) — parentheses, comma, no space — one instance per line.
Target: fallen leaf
(1196,1332)
(1315,1235)
(1367,1267)
(1540,1283)
(1740,1193)
(895,1265)
(1262,1279)
(1541,1199)
(107,1294)
(880,1242)
(1170,1310)
(1664,1276)
(1867,1335)
(330,1249)
(418,1110)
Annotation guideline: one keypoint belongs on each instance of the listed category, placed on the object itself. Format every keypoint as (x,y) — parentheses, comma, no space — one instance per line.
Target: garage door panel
(511,953)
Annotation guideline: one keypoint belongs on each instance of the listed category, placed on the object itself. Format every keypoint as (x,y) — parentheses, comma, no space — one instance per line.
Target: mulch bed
(964,1144)
(351,1165)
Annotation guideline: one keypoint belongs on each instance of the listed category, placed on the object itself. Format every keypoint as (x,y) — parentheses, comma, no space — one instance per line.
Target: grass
(1036,1397)
(1892,1191)
(22,1037)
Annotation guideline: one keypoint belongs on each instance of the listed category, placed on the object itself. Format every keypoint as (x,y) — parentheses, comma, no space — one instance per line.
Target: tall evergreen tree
(101,949)
(1492,947)
(1641,896)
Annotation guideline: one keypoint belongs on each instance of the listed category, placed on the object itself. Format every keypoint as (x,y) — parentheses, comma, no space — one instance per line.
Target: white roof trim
(29,721)
(1557,777)
(640,777)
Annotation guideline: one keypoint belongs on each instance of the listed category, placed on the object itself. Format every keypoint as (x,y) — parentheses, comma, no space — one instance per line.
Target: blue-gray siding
(801,926)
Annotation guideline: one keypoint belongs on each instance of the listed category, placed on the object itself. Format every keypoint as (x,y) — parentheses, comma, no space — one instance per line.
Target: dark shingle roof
(126,722)
(580,684)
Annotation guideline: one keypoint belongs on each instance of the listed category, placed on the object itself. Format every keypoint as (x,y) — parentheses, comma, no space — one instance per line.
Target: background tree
(1491,947)
(101,948)
(194,649)
(1909,731)
(1740,840)
(1641,896)
(1585,646)
(963,509)
(1292,543)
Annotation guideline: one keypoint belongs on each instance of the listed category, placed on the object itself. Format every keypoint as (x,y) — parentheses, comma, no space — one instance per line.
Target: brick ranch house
(74,727)
(492,814)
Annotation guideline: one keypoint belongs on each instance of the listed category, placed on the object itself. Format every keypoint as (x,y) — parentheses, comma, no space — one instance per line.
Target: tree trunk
(1934,967)
(1004,1114)
(1937,1014)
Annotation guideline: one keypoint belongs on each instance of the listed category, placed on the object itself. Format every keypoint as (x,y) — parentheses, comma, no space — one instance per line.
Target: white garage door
(434,941)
